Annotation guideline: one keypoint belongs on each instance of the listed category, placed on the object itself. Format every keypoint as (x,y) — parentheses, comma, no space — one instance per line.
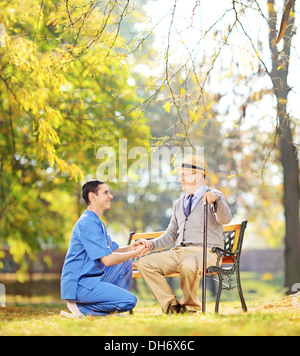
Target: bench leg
(238,279)
(219,293)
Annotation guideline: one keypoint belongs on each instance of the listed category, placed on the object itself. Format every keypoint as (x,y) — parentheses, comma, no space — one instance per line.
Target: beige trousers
(188,261)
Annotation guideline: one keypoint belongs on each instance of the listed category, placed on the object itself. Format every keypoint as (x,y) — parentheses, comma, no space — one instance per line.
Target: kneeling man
(97,273)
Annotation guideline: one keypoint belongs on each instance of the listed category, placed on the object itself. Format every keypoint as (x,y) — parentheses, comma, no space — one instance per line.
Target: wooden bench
(228,259)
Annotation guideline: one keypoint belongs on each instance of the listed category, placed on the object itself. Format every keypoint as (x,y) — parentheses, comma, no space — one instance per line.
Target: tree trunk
(288,153)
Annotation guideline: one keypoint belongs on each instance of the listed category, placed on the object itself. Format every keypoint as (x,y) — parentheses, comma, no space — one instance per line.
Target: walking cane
(204,260)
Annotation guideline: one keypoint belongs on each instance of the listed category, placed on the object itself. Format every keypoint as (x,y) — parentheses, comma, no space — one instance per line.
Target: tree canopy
(76,76)
(55,113)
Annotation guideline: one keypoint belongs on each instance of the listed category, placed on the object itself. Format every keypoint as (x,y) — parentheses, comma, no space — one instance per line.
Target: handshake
(141,247)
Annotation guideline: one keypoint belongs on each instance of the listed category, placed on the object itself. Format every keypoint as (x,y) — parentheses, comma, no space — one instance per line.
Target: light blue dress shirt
(198,195)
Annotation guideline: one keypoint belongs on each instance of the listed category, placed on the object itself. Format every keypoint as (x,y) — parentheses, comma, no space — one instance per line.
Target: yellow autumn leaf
(167,107)
(267,277)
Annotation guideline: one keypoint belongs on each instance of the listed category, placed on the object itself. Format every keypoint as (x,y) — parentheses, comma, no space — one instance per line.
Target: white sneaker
(72,306)
(71,315)
(76,313)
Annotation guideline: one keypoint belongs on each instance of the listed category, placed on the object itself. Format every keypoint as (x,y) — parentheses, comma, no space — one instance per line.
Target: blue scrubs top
(89,242)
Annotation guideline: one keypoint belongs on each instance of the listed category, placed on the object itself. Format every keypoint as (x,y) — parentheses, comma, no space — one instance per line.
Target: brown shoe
(174,309)
(184,310)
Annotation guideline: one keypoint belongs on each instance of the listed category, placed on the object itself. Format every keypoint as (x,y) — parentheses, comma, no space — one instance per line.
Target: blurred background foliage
(73,79)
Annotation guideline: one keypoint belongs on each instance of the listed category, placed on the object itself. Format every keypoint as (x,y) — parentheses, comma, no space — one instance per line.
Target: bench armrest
(220,252)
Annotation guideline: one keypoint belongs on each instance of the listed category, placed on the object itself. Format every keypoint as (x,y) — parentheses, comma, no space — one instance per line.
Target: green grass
(149,321)
(29,313)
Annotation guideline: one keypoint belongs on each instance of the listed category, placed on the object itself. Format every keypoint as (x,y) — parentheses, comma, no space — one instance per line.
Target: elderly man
(186,232)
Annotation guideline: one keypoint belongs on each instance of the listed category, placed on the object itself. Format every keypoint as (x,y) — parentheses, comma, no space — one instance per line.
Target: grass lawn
(268,318)
(270,313)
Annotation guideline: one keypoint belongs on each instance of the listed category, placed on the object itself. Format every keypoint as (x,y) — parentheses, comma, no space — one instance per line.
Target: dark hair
(88,187)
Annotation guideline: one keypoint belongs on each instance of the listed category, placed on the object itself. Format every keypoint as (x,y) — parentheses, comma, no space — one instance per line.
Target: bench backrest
(233,236)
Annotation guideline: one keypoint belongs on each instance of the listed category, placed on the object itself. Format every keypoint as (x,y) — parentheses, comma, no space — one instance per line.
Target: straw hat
(195,163)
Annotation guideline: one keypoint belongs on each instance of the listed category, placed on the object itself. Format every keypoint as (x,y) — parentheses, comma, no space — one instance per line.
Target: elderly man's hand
(209,197)
(145,243)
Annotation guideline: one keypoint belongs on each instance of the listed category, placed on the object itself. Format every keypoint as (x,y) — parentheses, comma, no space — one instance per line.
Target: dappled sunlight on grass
(279,317)
(269,313)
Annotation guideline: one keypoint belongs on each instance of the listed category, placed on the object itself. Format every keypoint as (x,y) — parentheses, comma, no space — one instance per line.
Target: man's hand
(144,244)
(209,197)
(139,250)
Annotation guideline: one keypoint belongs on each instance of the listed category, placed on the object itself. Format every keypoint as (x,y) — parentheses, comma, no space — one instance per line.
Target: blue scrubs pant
(111,294)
